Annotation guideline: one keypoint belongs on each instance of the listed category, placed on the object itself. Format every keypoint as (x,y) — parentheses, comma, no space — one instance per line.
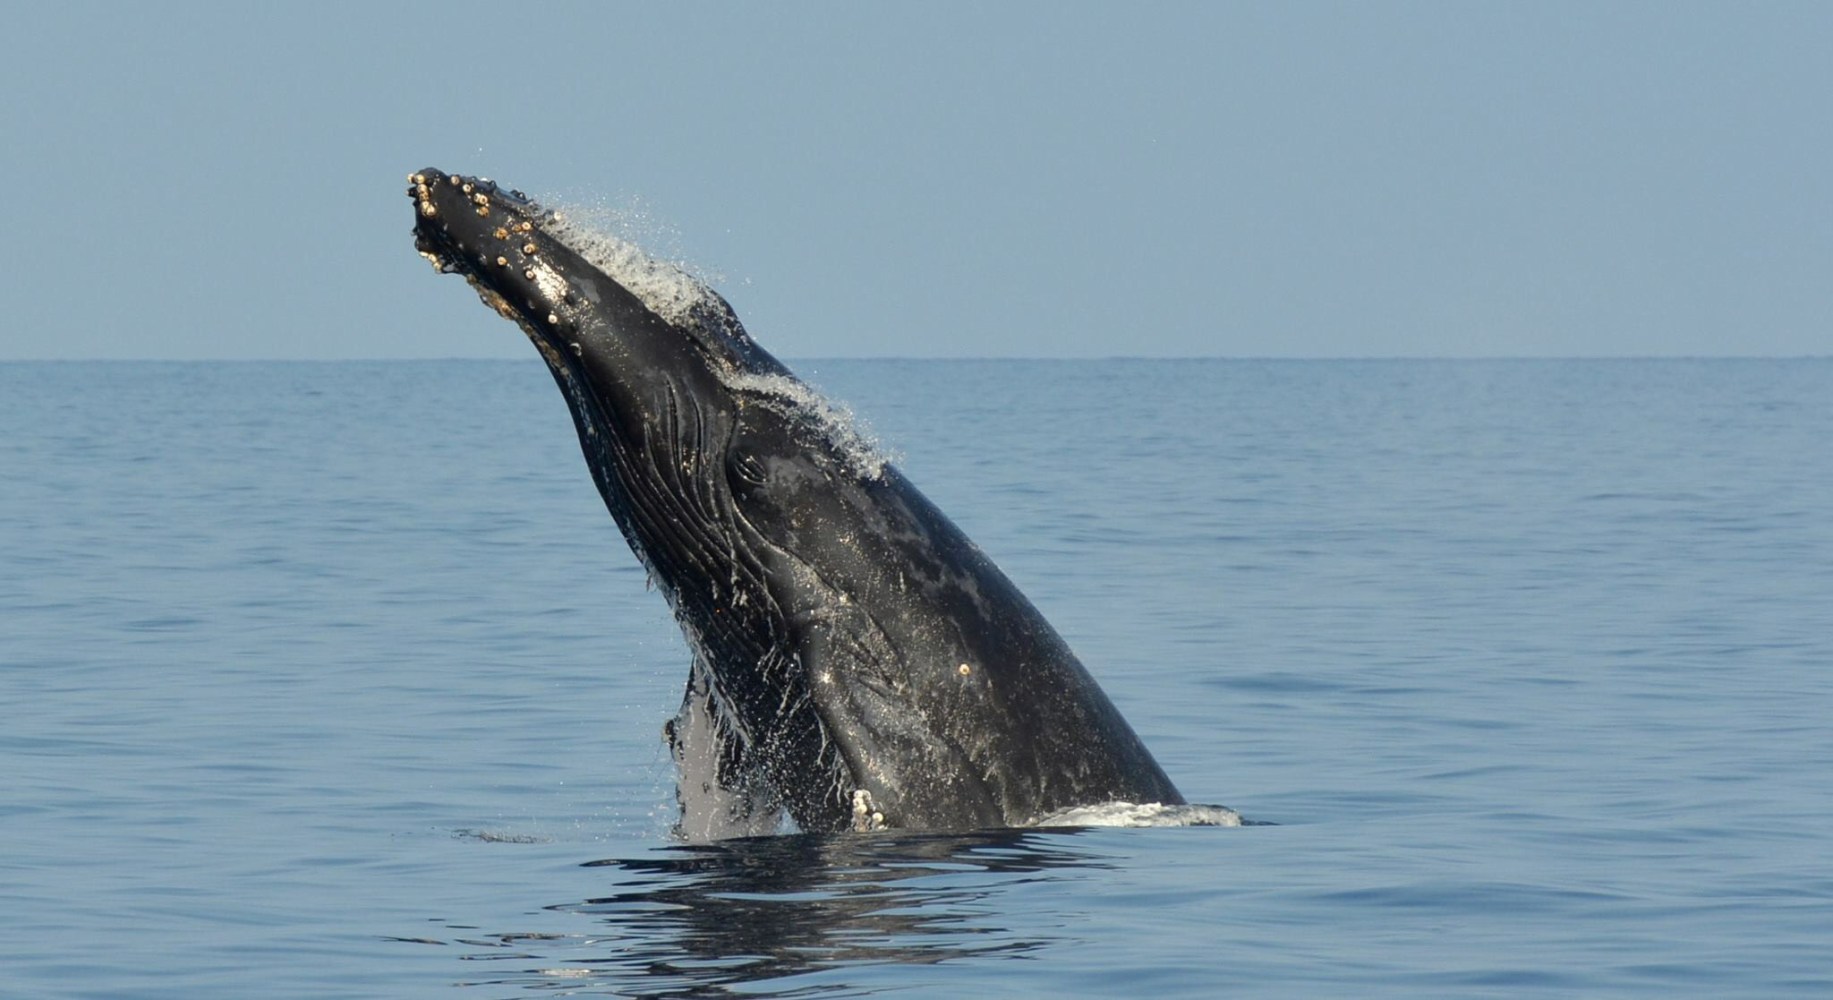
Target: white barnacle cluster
(423,194)
(866,817)
(510,233)
(478,198)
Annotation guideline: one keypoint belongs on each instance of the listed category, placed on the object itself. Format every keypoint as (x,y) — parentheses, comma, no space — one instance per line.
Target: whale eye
(747,467)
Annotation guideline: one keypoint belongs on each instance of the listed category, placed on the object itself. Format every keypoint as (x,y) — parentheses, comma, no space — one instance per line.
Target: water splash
(850,434)
(608,237)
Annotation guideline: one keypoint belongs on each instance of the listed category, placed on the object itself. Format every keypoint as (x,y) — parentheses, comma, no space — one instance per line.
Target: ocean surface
(336,680)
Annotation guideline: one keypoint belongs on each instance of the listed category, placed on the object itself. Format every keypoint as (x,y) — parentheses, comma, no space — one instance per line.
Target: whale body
(857,661)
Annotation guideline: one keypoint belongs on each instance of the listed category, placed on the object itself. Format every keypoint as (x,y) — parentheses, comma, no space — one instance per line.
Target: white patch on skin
(553,287)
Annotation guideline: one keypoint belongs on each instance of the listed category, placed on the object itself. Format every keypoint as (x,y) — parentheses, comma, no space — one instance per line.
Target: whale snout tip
(422,186)
(436,192)
(455,215)
(492,237)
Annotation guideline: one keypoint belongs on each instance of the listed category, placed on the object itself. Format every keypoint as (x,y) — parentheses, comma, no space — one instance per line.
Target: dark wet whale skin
(847,636)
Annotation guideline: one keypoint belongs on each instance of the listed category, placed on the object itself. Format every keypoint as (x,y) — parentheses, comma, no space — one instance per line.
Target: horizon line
(1069,359)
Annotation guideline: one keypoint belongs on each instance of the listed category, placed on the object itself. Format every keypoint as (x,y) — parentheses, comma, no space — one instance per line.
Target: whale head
(594,306)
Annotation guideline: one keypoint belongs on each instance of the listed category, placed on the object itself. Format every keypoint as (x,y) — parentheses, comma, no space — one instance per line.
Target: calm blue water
(337,681)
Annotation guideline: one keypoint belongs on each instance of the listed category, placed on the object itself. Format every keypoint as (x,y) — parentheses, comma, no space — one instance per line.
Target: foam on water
(1142,814)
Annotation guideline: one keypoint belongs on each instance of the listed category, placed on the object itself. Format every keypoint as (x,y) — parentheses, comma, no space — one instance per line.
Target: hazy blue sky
(935,179)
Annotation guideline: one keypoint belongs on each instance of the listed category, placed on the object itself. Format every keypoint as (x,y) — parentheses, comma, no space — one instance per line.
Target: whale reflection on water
(760,916)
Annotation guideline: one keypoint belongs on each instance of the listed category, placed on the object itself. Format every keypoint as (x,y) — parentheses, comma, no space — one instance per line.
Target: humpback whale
(857,662)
